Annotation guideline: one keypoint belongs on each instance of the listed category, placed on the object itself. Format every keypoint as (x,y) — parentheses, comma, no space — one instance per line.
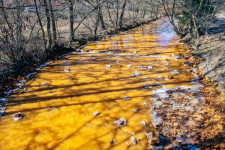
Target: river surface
(140,75)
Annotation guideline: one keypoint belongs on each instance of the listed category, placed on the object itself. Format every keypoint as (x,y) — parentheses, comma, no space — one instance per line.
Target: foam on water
(44,65)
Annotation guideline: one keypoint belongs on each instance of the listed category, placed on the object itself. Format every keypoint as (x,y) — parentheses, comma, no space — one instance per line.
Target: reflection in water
(166,34)
(77,108)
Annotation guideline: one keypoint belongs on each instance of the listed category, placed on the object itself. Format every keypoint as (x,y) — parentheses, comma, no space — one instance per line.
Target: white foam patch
(194,88)
(4,100)
(9,92)
(178,106)
(149,67)
(2,111)
(44,65)
(143,123)
(70,53)
(136,74)
(167,64)
(194,102)
(161,93)
(175,72)
(96,113)
(157,104)
(30,74)
(156,121)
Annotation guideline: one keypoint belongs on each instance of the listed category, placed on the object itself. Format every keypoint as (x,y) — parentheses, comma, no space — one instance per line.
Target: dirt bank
(212,51)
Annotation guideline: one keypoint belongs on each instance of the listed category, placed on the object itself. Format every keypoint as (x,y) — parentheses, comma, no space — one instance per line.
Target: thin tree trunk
(96,27)
(72,38)
(122,14)
(117,13)
(49,44)
(110,17)
(195,30)
(5,15)
(101,16)
(40,23)
(18,24)
(53,22)
(7,36)
(171,16)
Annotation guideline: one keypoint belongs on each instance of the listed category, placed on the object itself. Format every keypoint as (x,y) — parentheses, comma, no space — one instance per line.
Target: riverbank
(211,52)
(212,127)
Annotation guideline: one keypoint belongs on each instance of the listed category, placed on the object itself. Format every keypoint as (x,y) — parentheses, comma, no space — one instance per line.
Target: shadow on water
(74,103)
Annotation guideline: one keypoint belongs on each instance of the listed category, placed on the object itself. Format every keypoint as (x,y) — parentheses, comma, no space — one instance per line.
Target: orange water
(60,116)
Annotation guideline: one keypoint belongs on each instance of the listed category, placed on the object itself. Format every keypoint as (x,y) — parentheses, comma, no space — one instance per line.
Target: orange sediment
(60,114)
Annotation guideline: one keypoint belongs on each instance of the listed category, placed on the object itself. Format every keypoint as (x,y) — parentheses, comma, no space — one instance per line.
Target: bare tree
(122,14)
(53,22)
(190,16)
(71,11)
(49,43)
(41,25)
(100,15)
(29,30)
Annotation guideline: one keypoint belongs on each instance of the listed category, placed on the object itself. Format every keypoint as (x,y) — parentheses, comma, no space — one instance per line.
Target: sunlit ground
(60,114)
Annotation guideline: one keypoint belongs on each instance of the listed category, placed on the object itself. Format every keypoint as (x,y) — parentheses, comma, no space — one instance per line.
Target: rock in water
(149,67)
(44,83)
(136,110)
(129,66)
(127,143)
(155,140)
(133,140)
(127,98)
(121,122)
(18,116)
(143,123)
(149,135)
(112,141)
(96,113)
(66,70)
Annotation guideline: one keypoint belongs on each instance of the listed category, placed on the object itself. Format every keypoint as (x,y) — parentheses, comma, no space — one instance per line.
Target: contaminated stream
(131,91)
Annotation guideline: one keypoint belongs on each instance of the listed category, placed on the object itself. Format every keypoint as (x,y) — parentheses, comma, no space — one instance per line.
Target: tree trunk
(122,14)
(109,14)
(40,23)
(49,44)
(117,12)
(18,24)
(53,23)
(101,15)
(72,38)
(170,14)
(96,26)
